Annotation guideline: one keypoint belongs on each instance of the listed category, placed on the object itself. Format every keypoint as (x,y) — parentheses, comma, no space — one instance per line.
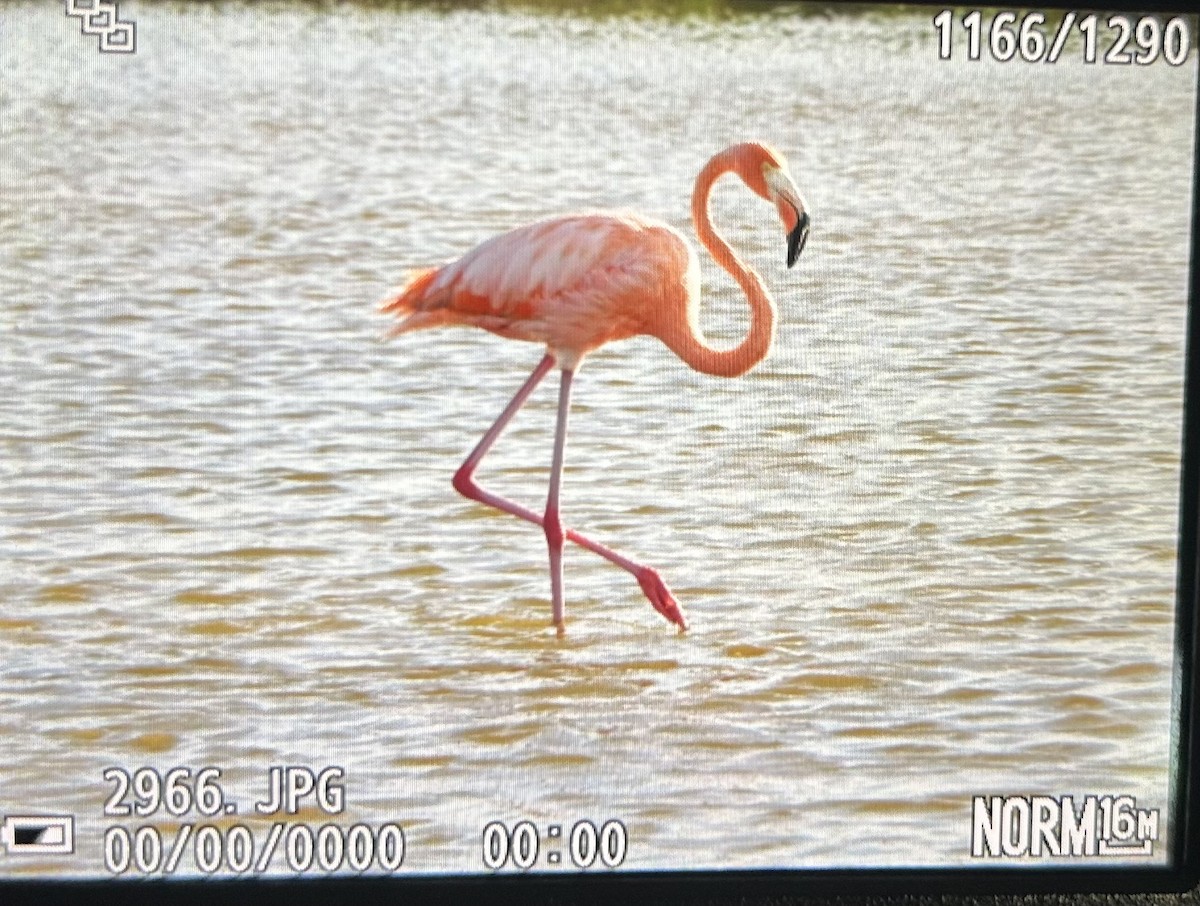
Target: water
(927,549)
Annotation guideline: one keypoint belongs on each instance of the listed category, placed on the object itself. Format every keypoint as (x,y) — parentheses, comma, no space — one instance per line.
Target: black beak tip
(796,239)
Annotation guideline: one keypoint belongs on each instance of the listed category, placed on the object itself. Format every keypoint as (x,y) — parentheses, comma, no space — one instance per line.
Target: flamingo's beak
(790,205)
(797,237)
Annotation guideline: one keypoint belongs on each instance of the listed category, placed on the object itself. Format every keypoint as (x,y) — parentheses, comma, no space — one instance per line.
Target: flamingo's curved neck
(688,341)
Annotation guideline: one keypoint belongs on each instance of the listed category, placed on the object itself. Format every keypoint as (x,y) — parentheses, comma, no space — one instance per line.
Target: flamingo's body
(572,283)
(577,282)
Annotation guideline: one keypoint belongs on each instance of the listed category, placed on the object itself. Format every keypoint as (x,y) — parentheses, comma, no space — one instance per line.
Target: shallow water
(927,548)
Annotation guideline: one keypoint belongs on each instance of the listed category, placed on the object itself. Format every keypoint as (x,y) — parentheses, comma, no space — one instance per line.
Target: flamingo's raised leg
(651,583)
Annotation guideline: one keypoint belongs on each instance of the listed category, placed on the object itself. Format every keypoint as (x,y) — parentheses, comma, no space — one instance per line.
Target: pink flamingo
(579,281)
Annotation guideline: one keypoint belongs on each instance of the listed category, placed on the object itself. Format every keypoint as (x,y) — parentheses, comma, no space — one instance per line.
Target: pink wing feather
(572,282)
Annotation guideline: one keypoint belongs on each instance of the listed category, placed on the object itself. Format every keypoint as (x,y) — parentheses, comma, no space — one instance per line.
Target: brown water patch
(17,625)
(66,593)
(1071,388)
(653,665)
(1104,634)
(1149,618)
(314,490)
(1001,539)
(559,760)
(864,732)
(1141,671)
(111,638)
(266,553)
(215,627)
(311,477)
(824,682)
(152,472)
(83,737)
(650,509)
(34,868)
(880,806)
(863,621)
(1057,622)
(1016,618)
(849,436)
(1080,702)
(915,750)
(499,736)
(423,761)
(1096,725)
(586,688)
(204,598)
(746,651)
(429,839)
(656,812)
(215,664)
(153,743)
(417,571)
(154,670)
(1016,587)
(362,518)
(504,621)
(333,623)
(717,744)
(940,805)
(157,519)
(447,671)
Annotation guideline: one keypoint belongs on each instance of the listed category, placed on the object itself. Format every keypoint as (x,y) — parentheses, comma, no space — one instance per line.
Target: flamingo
(576,282)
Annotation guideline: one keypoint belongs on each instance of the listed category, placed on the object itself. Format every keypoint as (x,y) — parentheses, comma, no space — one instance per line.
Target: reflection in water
(927,548)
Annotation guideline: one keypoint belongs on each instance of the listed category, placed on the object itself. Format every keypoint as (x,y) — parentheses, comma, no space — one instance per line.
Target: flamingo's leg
(651,583)
(552,522)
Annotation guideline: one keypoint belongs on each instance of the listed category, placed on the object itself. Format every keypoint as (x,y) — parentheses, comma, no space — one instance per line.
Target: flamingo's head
(765,171)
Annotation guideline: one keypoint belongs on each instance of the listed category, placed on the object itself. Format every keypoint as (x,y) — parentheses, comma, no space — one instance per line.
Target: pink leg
(464,482)
(551,522)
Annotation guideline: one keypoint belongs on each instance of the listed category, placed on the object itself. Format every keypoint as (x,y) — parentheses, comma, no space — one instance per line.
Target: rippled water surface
(927,548)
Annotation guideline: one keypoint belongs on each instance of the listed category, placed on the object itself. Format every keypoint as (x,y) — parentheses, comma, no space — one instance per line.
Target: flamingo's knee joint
(552,525)
(464,483)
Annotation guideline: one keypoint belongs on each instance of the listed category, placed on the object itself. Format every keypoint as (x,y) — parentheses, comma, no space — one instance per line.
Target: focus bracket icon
(102,18)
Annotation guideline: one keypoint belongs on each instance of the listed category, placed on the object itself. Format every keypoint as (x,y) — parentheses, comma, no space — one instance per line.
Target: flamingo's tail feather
(407,302)
(406,299)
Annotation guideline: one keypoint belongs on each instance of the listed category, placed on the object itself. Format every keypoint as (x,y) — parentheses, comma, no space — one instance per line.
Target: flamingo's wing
(572,281)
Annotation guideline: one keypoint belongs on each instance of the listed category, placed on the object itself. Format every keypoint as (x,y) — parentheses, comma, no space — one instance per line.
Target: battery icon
(38,834)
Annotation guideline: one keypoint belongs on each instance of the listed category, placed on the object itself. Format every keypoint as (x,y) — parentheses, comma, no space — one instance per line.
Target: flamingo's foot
(660,596)
(560,628)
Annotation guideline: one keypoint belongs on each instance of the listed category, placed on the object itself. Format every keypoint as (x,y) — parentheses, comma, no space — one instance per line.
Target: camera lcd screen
(869,544)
